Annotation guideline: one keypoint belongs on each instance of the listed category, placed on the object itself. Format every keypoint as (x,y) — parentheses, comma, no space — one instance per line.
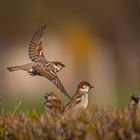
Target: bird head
(58,65)
(50,96)
(135,99)
(84,86)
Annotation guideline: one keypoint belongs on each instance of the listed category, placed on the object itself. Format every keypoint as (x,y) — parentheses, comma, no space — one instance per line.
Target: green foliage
(95,124)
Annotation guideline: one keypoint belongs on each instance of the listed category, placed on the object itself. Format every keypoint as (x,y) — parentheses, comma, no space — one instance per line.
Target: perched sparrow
(133,105)
(41,66)
(52,103)
(80,99)
(135,100)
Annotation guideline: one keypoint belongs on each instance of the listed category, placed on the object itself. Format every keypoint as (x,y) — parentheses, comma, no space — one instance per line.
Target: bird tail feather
(15,68)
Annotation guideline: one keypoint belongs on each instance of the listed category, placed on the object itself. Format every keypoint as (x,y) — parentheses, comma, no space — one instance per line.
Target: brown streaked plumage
(40,65)
(36,54)
(35,49)
(134,104)
(50,75)
(80,99)
(52,103)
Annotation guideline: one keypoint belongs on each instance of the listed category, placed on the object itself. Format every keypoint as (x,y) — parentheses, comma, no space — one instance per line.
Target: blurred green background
(99,41)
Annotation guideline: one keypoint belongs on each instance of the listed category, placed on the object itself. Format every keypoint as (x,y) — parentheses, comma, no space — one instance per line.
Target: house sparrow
(80,99)
(133,105)
(52,103)
(135,100)
(35,52)
(41,66)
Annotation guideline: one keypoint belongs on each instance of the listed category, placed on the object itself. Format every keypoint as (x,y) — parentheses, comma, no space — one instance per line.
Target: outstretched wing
(43,71)
(35,49)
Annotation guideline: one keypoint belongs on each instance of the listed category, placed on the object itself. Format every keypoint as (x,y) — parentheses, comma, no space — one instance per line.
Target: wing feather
(77,98)
(50,75)
(53,103)
(35,49)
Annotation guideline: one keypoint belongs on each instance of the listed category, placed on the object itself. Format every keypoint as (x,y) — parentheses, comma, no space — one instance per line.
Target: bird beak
(63,65)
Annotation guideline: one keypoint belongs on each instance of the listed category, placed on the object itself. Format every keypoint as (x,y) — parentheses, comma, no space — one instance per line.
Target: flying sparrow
(80,99)
(41,66)
(35,52)
(52,103)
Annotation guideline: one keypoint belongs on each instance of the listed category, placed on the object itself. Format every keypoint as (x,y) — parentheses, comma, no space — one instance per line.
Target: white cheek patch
(57,67)
(51,98)
(84,89)
(41,53)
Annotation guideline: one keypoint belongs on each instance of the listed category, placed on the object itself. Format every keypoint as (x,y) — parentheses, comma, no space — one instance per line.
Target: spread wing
(77,98)
(50,75)
(35,49)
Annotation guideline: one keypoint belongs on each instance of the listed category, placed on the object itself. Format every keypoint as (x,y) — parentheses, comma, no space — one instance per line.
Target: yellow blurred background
(99,41)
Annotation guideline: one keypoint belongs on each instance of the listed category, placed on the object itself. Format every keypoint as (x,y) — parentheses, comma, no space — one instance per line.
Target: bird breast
(84,103)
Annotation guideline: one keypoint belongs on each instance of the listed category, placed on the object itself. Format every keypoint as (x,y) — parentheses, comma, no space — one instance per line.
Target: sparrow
(35,52)
(135,100)
(52,104)
(40,65)
(134,103)
(80,100)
